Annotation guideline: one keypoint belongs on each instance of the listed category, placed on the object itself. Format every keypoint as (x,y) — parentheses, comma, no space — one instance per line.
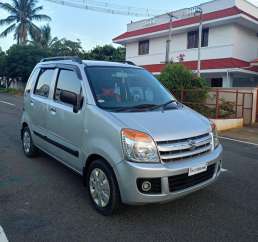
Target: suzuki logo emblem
(192,143)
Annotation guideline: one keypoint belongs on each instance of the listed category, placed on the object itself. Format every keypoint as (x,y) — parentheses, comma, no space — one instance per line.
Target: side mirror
(73,99)
(70,98)
(79,104)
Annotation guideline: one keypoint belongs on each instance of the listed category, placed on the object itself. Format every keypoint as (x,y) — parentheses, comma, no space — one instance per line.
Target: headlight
(215,135)
(138,146)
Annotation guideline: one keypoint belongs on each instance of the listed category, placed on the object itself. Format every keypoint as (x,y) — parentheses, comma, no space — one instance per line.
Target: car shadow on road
(184,205)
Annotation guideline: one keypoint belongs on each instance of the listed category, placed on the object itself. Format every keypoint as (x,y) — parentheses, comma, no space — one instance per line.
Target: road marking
(11,104)
(3,237)
(223,170)
(239,141)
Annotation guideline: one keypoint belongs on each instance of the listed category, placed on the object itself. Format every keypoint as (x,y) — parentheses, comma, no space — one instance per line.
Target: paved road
(247,134)
(41,200)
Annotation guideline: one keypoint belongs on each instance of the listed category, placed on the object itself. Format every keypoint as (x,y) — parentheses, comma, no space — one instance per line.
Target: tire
(29,149)
(112,204)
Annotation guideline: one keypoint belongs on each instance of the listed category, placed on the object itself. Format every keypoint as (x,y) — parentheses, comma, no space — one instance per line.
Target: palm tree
(44,40)
(20,20)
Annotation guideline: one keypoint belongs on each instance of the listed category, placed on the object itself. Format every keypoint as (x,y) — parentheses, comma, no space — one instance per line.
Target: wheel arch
(24,125)
(93,157)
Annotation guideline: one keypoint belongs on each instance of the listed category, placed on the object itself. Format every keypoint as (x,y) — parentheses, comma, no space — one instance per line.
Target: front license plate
(197,169)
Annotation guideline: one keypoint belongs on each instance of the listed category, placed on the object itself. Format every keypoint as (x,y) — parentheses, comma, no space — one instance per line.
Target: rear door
(65,127)
(38,104)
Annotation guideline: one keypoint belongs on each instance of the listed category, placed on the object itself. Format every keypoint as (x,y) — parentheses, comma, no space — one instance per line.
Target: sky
(93,28)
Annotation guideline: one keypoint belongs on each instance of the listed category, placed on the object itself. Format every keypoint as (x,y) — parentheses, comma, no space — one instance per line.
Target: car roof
(108,63)
(89,63)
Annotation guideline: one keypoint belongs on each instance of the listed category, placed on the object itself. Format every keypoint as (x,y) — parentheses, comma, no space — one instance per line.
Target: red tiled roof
(255,61)
(183,22)
(253,68)
(208,64)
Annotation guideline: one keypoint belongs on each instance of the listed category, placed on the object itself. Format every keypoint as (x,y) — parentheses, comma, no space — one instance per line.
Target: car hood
(166,125)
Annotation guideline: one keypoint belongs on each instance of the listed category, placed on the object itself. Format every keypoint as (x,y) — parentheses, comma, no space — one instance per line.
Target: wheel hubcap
(99,187)
(26,142)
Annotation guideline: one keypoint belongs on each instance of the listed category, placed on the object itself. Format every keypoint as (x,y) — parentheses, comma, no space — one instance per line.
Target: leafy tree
(64,47)
(107,53)
(44,40)
(119,54)
(185,85)
(20,60)
(2,63)
(23,13)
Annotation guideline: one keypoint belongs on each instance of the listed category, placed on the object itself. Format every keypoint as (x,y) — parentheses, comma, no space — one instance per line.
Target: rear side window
(44,81)
(31,80)
(67,81)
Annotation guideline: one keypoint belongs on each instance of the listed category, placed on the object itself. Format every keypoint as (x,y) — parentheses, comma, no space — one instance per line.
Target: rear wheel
(29,148)
(102,188)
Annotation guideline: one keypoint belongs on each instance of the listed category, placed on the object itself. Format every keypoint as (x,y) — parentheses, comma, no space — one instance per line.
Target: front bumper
(129,172)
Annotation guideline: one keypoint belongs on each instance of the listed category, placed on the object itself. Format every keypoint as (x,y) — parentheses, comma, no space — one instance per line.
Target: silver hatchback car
(120,129)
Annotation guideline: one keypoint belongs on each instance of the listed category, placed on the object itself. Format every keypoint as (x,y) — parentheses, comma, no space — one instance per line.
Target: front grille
(184,148)
(181,182)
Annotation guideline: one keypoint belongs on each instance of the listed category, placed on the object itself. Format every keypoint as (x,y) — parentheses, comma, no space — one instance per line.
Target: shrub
(226,109)
(184,84)
(11,91)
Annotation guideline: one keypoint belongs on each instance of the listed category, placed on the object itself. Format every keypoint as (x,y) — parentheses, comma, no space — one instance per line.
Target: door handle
(27,92)
(52,110)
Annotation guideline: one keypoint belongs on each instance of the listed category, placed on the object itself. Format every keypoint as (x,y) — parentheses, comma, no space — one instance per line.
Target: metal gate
(221,103)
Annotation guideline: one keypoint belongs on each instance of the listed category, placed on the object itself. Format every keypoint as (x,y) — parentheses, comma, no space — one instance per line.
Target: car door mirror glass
(68,97)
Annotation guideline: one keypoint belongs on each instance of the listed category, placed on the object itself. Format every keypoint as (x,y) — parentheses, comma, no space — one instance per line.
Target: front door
(65,127)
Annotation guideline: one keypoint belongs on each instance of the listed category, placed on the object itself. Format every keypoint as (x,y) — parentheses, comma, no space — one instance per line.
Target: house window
(205,37)
(193,38)
(216,82)
(144,47)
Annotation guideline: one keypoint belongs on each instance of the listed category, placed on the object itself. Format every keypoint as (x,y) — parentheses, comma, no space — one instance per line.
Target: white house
(229,42)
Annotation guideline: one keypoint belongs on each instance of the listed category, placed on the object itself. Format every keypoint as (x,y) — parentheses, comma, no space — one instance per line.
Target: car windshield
(124,88)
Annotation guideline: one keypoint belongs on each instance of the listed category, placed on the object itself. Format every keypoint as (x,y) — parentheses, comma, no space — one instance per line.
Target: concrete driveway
(246,134)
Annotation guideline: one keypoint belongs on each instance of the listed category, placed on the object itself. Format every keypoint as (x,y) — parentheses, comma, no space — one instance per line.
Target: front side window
(67,81)
(193,38)
(144,47)
(44,81)
(120,87)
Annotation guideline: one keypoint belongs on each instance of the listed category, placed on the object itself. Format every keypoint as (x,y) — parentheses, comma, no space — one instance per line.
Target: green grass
(11,91)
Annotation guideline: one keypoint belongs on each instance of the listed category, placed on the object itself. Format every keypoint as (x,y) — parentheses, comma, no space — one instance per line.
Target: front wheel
(29,149)
(102,188)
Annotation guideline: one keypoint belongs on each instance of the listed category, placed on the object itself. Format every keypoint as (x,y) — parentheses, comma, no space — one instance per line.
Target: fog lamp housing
(146,186)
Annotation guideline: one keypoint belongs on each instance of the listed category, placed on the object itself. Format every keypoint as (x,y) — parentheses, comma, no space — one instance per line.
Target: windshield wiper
(164,105)
(133,108)
(117,109)
(144,106)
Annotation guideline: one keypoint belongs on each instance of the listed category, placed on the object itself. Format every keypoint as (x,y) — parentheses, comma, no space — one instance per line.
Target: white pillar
(227,80)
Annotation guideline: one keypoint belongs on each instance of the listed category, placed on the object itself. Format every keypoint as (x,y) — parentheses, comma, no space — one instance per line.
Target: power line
(110,8)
